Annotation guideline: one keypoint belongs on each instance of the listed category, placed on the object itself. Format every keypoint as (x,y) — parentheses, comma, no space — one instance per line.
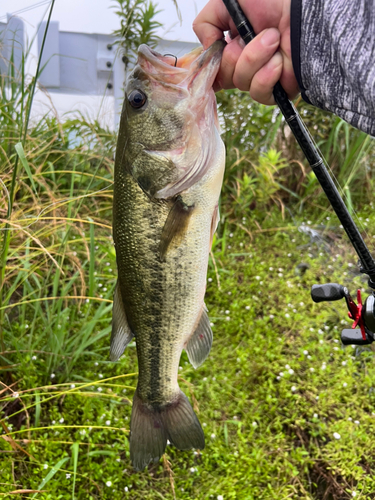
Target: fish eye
(137,99)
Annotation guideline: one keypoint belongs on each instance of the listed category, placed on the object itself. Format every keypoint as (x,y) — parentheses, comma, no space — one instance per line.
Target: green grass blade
(51,473)
(38,409)
(92,260)
(75,453)
(21,153)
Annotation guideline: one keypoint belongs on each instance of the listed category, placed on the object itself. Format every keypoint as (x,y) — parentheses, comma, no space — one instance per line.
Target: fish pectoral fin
(176,224)
(199,345)
(121,332)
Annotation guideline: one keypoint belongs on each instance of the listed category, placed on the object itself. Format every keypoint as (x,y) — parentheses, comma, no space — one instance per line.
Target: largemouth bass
(168,175)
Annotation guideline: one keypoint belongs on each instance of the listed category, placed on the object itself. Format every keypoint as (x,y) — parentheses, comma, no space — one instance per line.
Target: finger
(231,53)
(254,56)
(265,79)
(211,22)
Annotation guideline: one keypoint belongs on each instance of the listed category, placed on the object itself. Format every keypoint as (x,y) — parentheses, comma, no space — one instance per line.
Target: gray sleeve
(333,52)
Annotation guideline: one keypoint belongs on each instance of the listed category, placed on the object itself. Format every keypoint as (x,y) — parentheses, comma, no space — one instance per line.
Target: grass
(274,392)
(287,411)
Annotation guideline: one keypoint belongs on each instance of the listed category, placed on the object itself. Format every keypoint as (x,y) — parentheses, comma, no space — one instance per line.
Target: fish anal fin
(121,332)
(176,225)
(151,427)
(199,344)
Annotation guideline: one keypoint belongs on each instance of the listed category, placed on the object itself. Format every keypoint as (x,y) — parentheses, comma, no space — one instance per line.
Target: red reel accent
(355,313)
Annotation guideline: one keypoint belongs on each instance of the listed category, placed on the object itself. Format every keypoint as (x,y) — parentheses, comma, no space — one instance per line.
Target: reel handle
(328,291)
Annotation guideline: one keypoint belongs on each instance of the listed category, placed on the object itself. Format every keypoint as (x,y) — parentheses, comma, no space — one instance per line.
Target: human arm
(333,53)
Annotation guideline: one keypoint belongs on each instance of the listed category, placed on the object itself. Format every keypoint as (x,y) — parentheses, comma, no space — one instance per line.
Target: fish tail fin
(150,428)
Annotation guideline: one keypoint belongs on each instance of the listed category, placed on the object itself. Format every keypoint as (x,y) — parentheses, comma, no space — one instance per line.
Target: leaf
(75,452)
(51,473)
(21,153)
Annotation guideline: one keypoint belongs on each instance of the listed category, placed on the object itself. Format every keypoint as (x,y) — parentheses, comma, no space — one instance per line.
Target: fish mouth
(184,70)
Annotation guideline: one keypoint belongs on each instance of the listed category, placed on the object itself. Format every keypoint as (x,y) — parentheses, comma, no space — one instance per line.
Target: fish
(169,169)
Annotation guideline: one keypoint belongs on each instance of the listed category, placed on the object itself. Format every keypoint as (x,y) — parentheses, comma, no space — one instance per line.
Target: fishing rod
(363,328)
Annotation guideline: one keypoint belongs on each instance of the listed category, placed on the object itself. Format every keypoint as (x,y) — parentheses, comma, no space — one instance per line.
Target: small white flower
(343,363)
(312,369)
(291,371)
(61,420)
(72,386)
(254,424)
(15,394)
(289,254)
(257,277)
(107,422)
(204,424)
(336,435)
(100,375)
(227,311)
(67,476)
(344,384)
(321,341)
(100,389)
(180,368)
(209,280)
(53,422)
(335,348)
(82,432)
(192,469)
(33,358)
(309,357)
(45,466)
(108,483)
(287,315)
(301,304)
(350,419)
(247,308)
(305,352)
(228,318)
(280,275)
(287,367)
(230,235)
(26,326)
(220,497)
(293,388)
(126,488)
(271,315)
(354,493)
(356,422)
(281,374)
(315,415)
(96,363)
(213,436)
(311,329)
(52,375)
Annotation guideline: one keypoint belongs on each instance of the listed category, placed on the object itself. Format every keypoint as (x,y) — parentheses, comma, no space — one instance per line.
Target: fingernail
(270,37)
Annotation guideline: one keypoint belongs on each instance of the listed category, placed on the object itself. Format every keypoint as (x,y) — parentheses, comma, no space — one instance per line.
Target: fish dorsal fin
(176,225)
(121,332)
(199,345)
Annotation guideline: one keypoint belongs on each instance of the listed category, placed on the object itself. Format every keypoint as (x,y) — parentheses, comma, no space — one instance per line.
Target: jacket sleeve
(333,52)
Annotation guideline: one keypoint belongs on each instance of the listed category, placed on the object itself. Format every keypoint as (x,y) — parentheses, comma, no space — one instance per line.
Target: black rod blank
(316,162)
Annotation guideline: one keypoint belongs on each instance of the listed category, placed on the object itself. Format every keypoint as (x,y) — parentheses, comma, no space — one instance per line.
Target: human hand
(257,66)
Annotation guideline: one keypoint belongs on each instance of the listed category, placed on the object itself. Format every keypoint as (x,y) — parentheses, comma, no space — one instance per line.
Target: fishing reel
(363,315)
